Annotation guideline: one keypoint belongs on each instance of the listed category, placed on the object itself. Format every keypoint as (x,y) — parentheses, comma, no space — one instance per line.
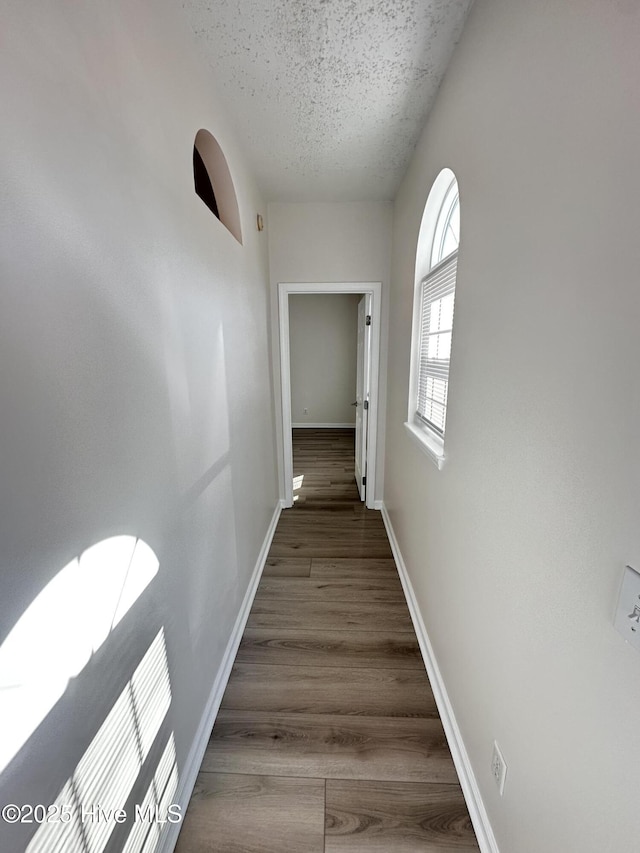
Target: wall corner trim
(196,753)
(470,789)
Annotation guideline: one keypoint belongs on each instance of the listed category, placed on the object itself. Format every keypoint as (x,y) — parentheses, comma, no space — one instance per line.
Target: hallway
(328,737)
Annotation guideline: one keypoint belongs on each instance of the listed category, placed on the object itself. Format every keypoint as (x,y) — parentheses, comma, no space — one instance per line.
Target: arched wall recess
(215,163)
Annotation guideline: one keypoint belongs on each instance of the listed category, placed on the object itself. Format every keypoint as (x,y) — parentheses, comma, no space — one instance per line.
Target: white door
(362,392)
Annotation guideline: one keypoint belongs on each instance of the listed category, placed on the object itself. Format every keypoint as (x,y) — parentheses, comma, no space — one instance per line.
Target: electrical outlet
(306,411)
(627,618)
(498,767)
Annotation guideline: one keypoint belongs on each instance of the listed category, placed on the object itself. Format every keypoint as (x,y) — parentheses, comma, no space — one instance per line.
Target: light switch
(627,620)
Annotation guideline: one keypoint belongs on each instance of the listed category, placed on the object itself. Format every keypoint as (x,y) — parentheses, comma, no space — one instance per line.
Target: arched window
(447,231)
(213,183)
(436,270)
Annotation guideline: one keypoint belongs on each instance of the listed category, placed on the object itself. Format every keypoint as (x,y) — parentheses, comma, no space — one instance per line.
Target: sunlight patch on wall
(156,805)
(62,628)
(107,772)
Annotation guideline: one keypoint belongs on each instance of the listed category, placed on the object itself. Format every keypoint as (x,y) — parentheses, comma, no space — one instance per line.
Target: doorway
(366,396)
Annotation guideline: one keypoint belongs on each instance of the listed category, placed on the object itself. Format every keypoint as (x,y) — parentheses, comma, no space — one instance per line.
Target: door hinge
(364,481)
(367,320)
(366,404)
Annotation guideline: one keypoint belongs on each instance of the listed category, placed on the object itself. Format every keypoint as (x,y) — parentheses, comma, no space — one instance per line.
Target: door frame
(285,289)
(363,393)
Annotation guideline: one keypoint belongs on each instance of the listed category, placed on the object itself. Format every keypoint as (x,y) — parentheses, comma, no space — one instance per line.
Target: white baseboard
(378,505)
(477,811)
(307,425)
(196,754)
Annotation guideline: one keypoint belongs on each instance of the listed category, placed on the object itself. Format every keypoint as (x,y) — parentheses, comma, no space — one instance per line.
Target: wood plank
(282,567)
(253,814)
(329,690)
(335,524)
(330,615)
(335,535)
(330,546)
(347,518)
(396,749)
(316,463)
(362,567)
(330,505)
(335,473)
(350,589)
(343,493)
(302,646)
(378,817)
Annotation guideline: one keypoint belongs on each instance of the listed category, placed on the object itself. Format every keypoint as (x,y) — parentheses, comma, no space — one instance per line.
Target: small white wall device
(627,619)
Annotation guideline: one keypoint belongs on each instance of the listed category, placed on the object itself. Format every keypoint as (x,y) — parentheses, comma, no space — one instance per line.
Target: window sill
(430,444)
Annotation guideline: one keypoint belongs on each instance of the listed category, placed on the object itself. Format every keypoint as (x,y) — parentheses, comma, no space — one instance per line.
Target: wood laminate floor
(328,739)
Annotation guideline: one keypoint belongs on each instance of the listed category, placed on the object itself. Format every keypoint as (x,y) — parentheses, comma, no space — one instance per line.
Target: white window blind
(437,294)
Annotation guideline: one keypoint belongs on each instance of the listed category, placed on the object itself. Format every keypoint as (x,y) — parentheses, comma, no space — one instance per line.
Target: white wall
(323,352)
(516,547)
(130,401)
(324,242)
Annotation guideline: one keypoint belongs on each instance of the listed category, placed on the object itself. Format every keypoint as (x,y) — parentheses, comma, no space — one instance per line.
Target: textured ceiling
(329,96)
